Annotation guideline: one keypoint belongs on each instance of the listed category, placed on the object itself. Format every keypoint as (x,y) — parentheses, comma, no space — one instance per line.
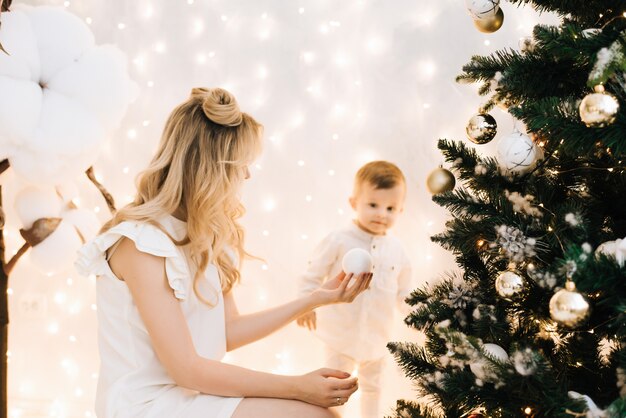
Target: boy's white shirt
(360,329)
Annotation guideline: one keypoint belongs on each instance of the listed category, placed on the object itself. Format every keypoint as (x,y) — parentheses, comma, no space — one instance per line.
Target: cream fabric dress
(132,382)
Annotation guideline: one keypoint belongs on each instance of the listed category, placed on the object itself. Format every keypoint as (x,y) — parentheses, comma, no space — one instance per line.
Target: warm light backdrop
(336,84)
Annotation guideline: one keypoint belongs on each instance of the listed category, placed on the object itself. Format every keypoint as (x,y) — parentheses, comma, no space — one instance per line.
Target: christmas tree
(535,323)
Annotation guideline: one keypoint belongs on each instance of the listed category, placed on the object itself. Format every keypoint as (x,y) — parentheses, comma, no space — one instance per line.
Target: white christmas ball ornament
(494,351)
(357,261)
(33,203)
(517,153)
(482,9)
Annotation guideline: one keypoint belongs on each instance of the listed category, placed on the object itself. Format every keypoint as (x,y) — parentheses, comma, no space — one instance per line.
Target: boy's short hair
(380,174)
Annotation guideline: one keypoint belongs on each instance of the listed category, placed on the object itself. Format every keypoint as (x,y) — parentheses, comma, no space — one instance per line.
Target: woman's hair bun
(219,105)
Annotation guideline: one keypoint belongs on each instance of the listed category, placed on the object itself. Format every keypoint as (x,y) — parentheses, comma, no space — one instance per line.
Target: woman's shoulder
(147,238)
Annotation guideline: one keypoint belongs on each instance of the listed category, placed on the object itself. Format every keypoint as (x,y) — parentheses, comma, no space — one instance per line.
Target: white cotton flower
(572,219)
(443,324)
(523,204)
(480,170)
(61,93)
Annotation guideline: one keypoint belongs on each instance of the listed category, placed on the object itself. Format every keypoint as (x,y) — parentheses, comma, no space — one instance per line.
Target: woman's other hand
(326,387)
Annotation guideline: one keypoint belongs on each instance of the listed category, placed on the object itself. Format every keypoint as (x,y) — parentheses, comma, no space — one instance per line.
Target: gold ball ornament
(509,284)
(598,109)
(481,128)
(440,180)
(491,24)
(568,307)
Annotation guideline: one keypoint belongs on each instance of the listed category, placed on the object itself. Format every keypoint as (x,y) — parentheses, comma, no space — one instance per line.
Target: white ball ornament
(482,9)
(357,261)
(494,351)
(517,153)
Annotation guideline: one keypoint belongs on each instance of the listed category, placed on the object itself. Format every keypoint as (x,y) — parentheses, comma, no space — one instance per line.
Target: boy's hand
(308,320)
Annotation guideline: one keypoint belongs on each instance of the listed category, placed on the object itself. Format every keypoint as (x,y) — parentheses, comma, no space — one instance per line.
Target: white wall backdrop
(336,84)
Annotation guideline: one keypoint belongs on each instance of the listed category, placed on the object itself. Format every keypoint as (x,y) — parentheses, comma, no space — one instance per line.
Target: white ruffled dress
(132,382)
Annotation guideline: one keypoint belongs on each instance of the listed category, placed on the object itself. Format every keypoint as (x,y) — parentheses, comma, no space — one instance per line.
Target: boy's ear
(352,201)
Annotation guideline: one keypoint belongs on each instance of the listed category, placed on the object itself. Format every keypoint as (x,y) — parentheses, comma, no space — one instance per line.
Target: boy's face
(377,209)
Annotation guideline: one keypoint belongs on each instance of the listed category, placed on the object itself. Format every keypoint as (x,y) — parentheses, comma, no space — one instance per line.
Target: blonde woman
(166,265)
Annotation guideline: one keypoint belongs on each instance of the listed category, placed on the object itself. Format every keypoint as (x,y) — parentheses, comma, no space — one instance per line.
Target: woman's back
(132,380)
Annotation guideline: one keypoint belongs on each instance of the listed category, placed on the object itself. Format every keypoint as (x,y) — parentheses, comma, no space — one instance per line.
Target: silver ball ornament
(568,307)
(509,284)
(598,109)
(481,128)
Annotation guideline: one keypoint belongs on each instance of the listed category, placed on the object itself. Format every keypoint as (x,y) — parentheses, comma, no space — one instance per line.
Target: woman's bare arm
(244,329)
(160,311)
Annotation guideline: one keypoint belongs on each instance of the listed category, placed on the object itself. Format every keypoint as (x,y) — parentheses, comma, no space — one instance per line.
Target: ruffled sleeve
(148,239)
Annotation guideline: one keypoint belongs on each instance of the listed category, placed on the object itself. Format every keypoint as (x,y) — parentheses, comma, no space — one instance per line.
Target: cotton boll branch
(4,165)
(107,196)
(4,7)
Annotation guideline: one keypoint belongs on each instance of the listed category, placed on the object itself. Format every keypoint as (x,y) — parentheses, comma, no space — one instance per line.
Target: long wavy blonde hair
(196,173)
